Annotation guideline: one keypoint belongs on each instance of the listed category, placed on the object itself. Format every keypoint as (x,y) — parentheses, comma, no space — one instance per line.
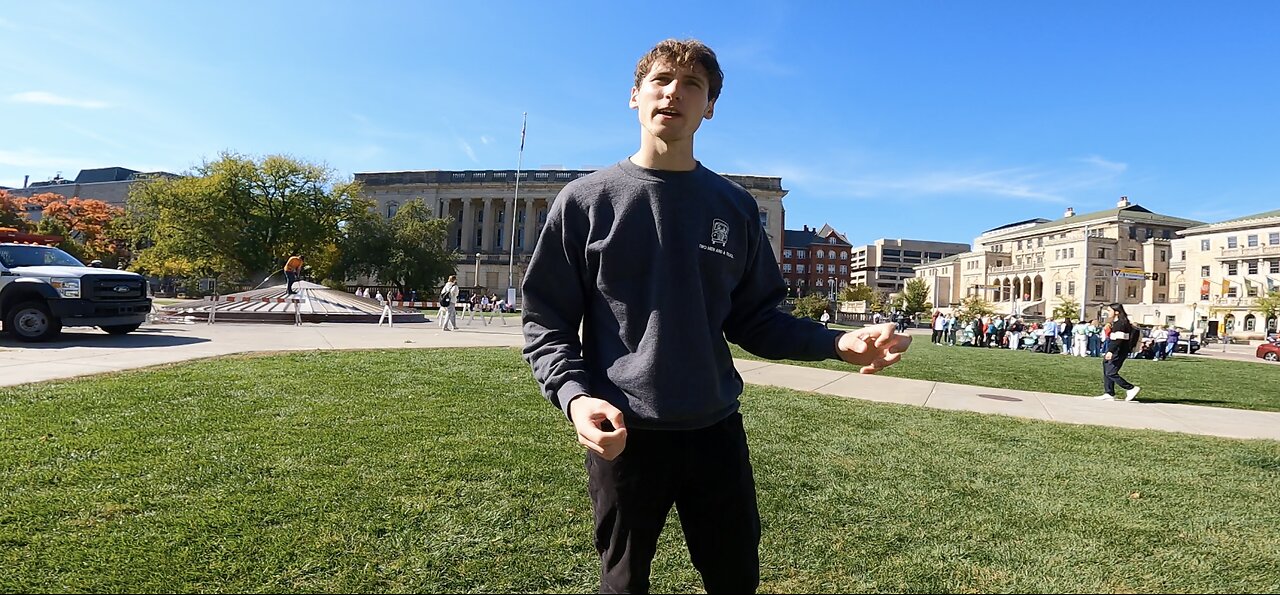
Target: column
(487,235)
(530,225)
(508,225)
(468,226)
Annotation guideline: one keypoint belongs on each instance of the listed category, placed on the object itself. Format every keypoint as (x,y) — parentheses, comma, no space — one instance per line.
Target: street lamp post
(477,283)
(1084,286)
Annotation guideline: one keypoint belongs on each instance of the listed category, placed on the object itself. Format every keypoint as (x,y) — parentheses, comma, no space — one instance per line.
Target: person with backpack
(1123,338)
(449,305)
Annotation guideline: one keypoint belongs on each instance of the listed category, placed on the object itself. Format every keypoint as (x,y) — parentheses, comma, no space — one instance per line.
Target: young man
(292,268)
(660,260)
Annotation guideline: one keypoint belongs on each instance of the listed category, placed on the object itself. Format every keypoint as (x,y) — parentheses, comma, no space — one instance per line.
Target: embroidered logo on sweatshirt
(719,237)
(719,233)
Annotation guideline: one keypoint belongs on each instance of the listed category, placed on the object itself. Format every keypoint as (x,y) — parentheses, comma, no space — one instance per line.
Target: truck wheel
(121,329)
(31,321)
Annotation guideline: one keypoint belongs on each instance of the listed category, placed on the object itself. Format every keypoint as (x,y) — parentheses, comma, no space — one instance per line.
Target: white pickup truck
(43,289)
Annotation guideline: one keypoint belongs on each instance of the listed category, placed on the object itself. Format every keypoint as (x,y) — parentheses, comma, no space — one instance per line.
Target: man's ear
(634,103)
(711,109)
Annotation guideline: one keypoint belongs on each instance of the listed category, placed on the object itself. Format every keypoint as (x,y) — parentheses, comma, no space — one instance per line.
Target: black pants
(937,336)
(292,278)
(706,474)
(1111,375)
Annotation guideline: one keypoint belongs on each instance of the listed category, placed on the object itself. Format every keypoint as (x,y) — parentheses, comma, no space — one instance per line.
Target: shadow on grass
(1206,402)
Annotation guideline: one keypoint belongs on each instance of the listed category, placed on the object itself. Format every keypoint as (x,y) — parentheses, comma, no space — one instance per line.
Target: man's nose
(672,90)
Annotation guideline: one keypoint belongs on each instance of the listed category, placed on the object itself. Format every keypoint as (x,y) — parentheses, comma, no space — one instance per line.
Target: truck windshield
(36,256)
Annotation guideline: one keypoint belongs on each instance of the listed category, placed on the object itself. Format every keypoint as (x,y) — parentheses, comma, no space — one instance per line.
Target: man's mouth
(669,112)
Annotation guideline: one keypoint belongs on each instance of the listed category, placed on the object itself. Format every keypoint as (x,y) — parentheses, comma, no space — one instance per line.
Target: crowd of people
(1083,338)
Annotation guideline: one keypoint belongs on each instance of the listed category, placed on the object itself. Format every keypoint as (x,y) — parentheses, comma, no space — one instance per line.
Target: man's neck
(657,154)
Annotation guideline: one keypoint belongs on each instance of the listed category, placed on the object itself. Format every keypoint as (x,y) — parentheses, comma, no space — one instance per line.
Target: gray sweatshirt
(659,268)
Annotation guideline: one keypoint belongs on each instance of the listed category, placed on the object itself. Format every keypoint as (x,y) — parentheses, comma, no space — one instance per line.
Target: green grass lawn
(1187,380)
(445,470)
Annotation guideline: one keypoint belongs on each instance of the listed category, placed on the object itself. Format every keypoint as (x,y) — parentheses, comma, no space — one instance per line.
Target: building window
(1057,288)
(1102,252)
(1253,267)
(1252,240)
(1133,292)
(1182,255)
(1133,232)
(1071,287)
(1274,238)
(1182,292)
(1039,242)
(786,268)
(1275,266)
(1204,271)
(821,269)
(844,269)
(1162,256)
(1204,244)
(1231,291)
(786,253)
(844,256)
(800,269)
(392,209)
(1231,242)
(1097,290)
(1250,289)
(831,240)
(1232,269)
(1133,255)
(1071,252)
(803,254)
(1164,279)
(1160,297)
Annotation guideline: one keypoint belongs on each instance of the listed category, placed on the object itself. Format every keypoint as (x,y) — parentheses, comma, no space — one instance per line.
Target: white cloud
(38,165)
(466,147)
(46,98)
(1056,184)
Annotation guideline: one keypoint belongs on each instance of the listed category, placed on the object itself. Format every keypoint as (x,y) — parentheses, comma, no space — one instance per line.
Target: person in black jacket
(641,370)
(1124,337)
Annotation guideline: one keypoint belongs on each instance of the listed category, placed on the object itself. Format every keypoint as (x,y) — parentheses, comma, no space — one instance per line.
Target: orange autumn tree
(87,221)
(86,224)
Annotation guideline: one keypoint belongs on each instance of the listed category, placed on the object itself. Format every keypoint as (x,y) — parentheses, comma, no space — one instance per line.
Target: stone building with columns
(482,203)
(1031,267)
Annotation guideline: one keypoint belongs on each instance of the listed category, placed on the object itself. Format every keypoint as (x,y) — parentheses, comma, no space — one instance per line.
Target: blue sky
(924,120)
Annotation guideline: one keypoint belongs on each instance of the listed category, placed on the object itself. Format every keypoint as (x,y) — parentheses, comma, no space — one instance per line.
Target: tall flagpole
(515,206)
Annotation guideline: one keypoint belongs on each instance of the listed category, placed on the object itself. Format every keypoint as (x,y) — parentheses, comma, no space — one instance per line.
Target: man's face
(672,101)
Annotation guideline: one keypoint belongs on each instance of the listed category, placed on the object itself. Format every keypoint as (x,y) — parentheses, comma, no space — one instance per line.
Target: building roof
(1135,213)
(1024,223)
(1262,218)
(104,174)
(827,230)
(799,238)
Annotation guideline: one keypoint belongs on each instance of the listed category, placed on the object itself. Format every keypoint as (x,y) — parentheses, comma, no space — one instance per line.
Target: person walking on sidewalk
(448,314)
(1122,340)
(649,385)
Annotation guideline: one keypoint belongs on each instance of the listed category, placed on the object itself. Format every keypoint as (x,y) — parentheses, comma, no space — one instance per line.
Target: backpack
(444,298)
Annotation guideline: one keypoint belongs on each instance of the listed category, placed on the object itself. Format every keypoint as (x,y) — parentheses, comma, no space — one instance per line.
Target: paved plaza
(88,351)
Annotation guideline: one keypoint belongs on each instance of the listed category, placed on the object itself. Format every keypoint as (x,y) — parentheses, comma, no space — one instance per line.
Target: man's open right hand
(589,415)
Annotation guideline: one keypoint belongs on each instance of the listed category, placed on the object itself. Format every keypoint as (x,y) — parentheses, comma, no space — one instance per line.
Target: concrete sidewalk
(89,351)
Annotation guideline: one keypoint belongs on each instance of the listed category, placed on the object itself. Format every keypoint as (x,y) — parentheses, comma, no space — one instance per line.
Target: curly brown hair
(684,53)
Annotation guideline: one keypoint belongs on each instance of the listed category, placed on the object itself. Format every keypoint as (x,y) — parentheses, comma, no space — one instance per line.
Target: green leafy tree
(238,217)
(406,251)
(856,293)
(1067,310)
(915,298)
(1268,305)
(879,302)
(974,306)
(810,306)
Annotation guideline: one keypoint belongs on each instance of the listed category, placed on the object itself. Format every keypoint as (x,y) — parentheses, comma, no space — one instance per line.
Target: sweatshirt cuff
(567,392)
(824,344)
